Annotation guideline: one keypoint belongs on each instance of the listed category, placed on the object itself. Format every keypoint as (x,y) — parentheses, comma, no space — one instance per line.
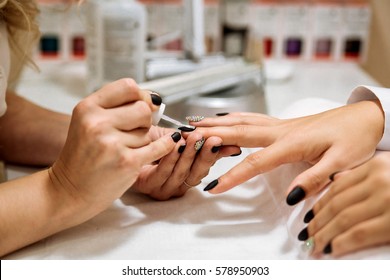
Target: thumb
(159,148)
(314,179)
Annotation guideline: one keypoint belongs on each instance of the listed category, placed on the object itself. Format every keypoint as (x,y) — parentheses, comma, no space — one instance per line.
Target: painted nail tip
(156,100)
(328,249)
(222,114)
(181,149)
(295,196)
(187,128)
(211,185)
(215,149)
(176,137)
(303,235)
(309,216)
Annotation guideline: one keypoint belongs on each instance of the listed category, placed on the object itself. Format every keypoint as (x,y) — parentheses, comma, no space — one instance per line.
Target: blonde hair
(23,32)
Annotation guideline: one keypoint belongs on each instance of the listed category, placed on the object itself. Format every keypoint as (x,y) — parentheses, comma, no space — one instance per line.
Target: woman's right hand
(332,141)
(107,145)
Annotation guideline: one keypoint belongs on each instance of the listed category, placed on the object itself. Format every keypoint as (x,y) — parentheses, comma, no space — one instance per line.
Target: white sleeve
(383,95)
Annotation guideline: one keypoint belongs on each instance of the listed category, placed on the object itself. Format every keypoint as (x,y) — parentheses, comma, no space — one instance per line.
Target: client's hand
(183,168)
(334,140)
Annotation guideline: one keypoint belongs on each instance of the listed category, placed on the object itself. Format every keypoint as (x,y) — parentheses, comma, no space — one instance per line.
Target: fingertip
(296,195)
(156,99)
(158,148)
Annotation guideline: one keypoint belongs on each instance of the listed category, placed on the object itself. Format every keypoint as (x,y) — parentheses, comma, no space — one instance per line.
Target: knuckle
(144,112)
(252,160)
(315,179)
(241,131)
(165,174)
(143,108)
(90,123)
(343,220)
(83,107)
(183,175)
(332,208)
(339,163)
(359,235)
(321,241)
(128,83)
(204,174)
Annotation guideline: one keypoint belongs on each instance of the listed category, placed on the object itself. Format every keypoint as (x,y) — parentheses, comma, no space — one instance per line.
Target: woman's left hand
(183,168)
(355,212)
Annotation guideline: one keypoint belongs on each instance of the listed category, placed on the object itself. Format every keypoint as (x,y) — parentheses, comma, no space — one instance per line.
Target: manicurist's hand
(183,168)
(108,144)
(334,140)
(355,212)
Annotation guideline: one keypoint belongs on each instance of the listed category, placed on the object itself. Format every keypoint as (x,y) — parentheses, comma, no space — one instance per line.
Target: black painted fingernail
(176,137)
(236,155)
(328,249)
(221,114)
(295,196)
(331,177)
(309,216)
(181,149)
(303,235)
(156,100)
(211,185)
(215,149)
(187,128)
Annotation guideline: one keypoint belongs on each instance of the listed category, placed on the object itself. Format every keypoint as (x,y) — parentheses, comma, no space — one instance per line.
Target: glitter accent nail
(194,118)
(199,144)
(308,245)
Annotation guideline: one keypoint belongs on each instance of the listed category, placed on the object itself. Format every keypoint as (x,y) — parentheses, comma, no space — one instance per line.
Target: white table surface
(248,222)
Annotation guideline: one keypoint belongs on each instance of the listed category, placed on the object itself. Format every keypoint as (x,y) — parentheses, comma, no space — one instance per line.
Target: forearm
(30,134)
(32,208)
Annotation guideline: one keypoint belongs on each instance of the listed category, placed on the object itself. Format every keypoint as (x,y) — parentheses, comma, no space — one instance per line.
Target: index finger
(236,118)
(241,135)
(256,163)
(121,92)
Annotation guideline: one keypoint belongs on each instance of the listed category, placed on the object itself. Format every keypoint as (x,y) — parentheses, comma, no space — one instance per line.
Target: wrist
(71,207)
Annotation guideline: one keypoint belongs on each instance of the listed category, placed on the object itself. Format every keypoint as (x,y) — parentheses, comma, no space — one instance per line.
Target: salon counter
(251,221)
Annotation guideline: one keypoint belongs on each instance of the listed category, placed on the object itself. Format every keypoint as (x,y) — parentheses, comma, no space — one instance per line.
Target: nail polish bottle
(116,41)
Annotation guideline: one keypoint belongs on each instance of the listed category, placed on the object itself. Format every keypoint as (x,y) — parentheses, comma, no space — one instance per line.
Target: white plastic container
(116,40)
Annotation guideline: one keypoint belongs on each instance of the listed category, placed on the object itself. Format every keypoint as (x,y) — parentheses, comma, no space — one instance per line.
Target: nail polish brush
(158,115)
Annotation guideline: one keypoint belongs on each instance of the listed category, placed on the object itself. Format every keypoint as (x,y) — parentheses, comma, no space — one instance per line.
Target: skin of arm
(30,134)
